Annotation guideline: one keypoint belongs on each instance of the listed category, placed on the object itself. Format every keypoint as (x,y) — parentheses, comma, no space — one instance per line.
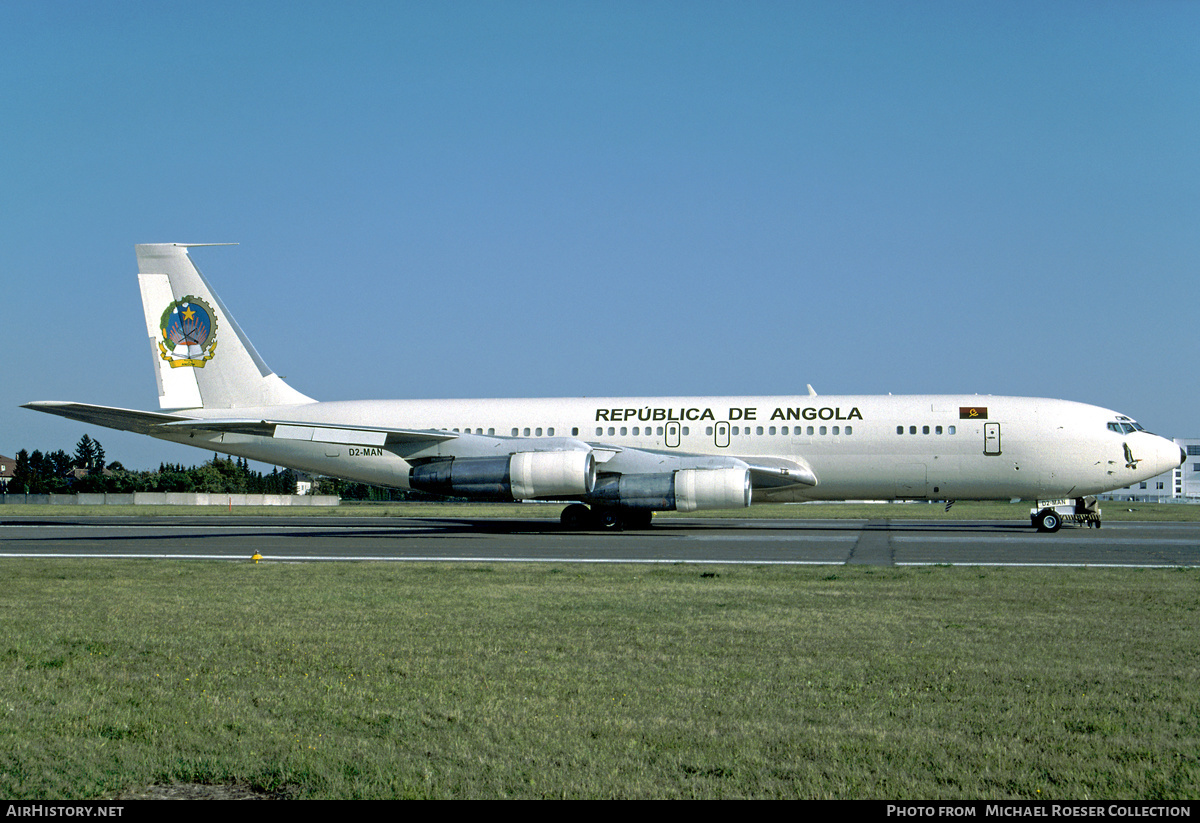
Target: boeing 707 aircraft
(616,460)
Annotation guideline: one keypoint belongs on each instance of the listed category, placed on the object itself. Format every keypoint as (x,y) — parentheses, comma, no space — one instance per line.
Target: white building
(1181,485)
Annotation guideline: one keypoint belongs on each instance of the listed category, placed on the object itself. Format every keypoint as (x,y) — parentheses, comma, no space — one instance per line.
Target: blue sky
(518,199)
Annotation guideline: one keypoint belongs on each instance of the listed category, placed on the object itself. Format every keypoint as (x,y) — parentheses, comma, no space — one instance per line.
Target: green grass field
(528,681)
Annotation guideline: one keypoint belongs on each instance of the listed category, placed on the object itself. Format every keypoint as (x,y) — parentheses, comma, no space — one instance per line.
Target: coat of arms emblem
(189,333)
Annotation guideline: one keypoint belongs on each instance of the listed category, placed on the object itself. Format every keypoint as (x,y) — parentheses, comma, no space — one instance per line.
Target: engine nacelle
(519,476)
(712,489)
(686,490)
(552,474)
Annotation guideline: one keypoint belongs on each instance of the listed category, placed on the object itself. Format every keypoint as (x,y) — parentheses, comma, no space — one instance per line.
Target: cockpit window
(1126,425)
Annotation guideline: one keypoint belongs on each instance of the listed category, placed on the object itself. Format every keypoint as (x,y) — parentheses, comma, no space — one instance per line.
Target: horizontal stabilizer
(132,420)
(144,422)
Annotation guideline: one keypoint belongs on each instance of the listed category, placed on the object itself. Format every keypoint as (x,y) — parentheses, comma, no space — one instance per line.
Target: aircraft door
(672,435)
(721,433)
(991,438)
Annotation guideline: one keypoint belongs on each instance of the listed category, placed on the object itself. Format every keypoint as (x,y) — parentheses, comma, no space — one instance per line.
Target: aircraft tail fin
(202,358)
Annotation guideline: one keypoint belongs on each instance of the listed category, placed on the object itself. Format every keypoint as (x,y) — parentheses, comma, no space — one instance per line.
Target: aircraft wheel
(637,519)
(608,519)
(1048,521)
(576,516)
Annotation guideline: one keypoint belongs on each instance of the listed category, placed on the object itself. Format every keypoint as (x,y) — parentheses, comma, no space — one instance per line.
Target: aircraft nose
(1168,455)
(1173,455)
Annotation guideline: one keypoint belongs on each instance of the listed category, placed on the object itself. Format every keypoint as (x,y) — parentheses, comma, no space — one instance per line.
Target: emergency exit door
(721,434)
(991,438)
(672,435)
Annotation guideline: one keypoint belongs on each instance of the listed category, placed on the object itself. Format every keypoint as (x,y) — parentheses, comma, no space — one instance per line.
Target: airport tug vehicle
(1050,515)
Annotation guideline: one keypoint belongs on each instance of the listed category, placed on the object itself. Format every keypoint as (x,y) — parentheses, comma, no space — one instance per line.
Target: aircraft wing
(765,472)
(777,472)
(315,432)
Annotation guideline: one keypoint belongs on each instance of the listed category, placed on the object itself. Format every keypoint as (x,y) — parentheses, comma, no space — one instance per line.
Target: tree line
(85,470)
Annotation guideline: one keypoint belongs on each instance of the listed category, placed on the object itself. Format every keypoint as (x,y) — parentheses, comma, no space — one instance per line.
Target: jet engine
(686,490)
(518,476)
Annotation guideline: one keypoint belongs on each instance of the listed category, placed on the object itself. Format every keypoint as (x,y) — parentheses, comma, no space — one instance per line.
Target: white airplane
(620,459)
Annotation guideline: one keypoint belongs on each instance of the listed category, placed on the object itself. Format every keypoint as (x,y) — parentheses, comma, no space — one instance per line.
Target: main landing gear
(580,517)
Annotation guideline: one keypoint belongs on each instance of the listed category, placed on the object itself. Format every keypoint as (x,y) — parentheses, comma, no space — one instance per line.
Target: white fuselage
(617,459)
(955,447)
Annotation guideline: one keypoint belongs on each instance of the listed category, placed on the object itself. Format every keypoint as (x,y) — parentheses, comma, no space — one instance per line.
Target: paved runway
(874,542)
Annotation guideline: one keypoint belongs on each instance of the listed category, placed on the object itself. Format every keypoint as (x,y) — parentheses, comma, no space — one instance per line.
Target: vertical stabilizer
(202,358)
